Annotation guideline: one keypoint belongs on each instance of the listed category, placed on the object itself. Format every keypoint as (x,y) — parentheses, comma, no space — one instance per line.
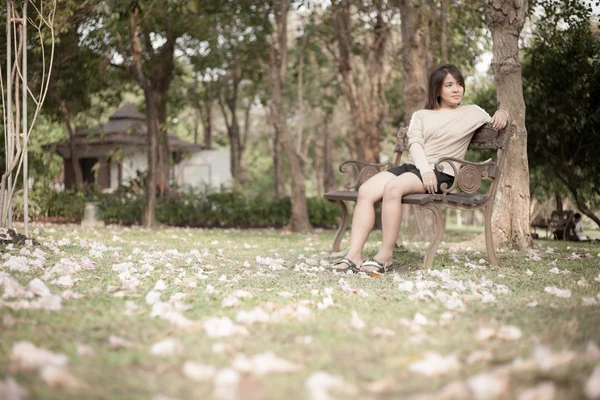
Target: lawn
(126,313)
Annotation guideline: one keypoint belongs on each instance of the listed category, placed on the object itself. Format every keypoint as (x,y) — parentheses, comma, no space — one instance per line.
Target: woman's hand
(430,182)
(499,120)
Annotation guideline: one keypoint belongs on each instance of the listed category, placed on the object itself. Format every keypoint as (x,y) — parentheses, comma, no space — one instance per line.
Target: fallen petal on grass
(167,347)
(564,293)
(264,364)
(30,357)
(198,372)
(490,385)
(10,390)
(356,322)
(592,385)
(433,363)
(55,376)
(320,383)
(541,391)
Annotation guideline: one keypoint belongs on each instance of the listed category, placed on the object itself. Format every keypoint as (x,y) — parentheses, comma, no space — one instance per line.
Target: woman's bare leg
(363,220)
(391,211)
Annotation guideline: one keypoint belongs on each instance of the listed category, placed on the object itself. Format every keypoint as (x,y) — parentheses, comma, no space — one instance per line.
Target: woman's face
(451,93)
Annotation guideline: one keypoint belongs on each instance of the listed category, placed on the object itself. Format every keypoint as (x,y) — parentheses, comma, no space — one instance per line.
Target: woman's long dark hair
(436,80)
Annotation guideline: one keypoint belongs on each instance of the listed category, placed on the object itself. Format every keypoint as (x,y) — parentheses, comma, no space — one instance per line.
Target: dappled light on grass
(224,313)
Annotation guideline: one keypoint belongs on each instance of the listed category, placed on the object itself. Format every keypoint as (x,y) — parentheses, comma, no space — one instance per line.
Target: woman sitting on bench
(443,129)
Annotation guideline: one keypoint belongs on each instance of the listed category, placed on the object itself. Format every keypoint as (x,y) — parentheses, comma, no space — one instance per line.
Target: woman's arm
(499,120)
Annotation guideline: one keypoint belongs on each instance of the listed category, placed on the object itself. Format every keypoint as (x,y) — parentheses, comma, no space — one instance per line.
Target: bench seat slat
(418,199)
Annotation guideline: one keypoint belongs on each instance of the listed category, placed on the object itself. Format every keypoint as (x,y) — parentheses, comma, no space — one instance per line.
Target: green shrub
(67,204)
(225,208)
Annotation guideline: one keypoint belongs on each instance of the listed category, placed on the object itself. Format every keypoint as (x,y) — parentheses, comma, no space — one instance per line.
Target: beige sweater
(443,133)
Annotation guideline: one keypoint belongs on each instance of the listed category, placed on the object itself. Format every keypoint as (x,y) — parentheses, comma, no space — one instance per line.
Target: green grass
(357,356)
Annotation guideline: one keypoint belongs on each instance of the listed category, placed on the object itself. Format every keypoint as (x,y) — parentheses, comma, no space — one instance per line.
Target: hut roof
(126,126)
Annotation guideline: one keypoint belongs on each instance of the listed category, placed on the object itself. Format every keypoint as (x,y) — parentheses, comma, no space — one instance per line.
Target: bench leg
(439,234)
(337,241)
(489,239)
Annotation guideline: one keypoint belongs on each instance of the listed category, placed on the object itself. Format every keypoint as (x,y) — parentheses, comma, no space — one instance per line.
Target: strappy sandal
(380,268)
(350,266)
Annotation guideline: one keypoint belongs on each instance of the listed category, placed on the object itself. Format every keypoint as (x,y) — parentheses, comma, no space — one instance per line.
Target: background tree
(278,59)
(561,72)
(145,37)
(361,35)
(79,74)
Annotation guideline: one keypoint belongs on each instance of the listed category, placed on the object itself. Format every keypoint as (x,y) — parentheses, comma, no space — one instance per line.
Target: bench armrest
(468,178)
(358,172)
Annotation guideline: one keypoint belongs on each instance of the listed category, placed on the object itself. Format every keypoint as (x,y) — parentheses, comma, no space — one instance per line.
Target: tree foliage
(562,85)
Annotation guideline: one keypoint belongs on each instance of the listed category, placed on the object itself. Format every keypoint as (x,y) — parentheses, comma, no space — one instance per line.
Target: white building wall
(134,160)
(200,169)
(204,168)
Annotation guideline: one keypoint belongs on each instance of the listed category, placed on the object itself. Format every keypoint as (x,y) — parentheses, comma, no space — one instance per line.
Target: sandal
(380,268)
(350,266)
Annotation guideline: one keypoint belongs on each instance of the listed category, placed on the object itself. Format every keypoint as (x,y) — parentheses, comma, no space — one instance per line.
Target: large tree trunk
(415,16)
(74,151)
(414,55)
(364,85)
(148,214)
(136,69)
(207,123)
(505,20)
(230,99)
(278,170)
(444,41)
(278,67)
(164,154)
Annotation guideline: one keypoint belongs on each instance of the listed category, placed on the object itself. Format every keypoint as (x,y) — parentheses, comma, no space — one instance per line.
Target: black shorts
(441,177)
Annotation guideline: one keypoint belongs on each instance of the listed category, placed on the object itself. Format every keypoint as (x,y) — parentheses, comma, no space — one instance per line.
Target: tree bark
(364,85)
(229,98)
(445,5)
(278,167)
(414,57)
(207,124)
(74,152)
(329,183)
(415,17)
(299,221)
(136,69)
(559,202)
(510,221)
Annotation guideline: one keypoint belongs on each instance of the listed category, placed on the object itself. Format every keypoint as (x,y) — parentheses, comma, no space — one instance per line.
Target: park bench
(468,179)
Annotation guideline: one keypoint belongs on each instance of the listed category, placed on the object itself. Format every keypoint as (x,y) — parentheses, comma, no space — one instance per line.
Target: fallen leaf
(226,384)
(384,386)
(30,357)
(10,390)
(592,386)
(264,364)
(382,332)
(84,350)
(509,332)
(55,376)
(39,288)
(565,293)
(167,347)
(116,342)
(541,391)
(198,372)
(490,385)
(433,363)
(216,327)
(356,322)
(320,383)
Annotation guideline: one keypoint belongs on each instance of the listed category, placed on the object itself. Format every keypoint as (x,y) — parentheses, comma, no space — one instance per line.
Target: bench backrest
(469,176)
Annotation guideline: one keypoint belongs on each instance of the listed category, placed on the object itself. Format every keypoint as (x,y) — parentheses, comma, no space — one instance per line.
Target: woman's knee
(393,190)
(367,194)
